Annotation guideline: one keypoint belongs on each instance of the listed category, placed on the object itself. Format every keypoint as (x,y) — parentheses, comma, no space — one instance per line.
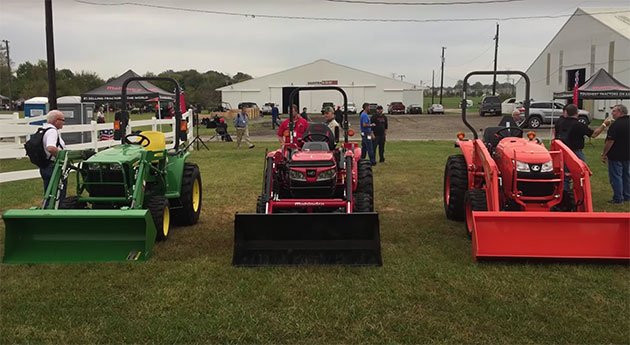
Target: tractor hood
(118,154)
(312,158)
(524,150)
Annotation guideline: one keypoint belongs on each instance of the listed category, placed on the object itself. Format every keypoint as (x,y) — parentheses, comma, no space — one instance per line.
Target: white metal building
(360,87)
(591,39)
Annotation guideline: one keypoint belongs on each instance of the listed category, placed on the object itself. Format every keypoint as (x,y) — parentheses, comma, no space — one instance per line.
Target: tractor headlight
(547,167)
(326,175)
(297,175)
(115,166)
(522,167)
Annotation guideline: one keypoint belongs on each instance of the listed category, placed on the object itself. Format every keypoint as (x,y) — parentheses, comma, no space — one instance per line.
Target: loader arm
(580,174)
(485,167)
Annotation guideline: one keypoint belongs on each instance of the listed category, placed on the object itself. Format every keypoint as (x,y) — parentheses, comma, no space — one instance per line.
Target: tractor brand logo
(308,204)
(536,167)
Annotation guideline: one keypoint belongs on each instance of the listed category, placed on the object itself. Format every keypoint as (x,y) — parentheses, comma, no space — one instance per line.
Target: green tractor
(126,198)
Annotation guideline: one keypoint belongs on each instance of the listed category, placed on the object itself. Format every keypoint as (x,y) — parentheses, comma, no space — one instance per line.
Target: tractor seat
(157,140)
(316,132)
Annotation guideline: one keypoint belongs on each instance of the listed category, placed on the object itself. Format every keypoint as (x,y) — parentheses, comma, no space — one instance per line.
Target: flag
(576,86)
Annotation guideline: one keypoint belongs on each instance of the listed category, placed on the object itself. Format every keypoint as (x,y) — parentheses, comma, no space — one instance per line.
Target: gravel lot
(407,127)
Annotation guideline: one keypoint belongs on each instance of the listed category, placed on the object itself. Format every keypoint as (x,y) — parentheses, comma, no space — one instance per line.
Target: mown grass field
(428,291)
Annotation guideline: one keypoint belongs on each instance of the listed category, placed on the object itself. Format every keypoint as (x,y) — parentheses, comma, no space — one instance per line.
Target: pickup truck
(396,108)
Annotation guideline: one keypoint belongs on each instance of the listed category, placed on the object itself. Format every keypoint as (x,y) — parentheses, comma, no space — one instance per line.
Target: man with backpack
(51,144)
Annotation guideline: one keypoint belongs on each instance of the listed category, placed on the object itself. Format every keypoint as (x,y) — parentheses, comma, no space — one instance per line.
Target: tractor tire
(475,200)
(482,114)
(158,207)
(363,202)
(190,197)
(455,186)
(365,178)
(567,204)
(72,203)
(260,205)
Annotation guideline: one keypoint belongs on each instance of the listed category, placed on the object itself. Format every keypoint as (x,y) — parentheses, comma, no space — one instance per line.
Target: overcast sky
(186,34)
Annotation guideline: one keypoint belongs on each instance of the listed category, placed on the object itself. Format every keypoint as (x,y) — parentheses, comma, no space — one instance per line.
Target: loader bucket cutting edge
(307,238)
(63,236)
(593,235)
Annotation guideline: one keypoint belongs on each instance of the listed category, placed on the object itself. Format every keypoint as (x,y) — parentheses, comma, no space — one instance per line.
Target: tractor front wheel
(363,202)
(190,197)
(158,207)
(455,185)
(366,179)
(475,200)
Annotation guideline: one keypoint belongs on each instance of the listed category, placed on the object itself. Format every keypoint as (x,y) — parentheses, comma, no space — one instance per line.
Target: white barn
(360,87)
(591,39)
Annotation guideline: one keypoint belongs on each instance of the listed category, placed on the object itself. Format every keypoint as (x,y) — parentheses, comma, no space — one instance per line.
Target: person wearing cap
(299,127)
(329,117)
(380,131)
(367,134)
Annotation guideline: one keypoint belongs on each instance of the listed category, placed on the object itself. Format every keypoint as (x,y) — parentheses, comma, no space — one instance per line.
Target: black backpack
(35,148)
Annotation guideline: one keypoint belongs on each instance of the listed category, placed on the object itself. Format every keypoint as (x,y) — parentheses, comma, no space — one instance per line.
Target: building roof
(618,22)
(322,63)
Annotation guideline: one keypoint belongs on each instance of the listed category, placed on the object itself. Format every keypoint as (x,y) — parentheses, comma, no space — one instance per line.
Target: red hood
(524,150)
(304,156)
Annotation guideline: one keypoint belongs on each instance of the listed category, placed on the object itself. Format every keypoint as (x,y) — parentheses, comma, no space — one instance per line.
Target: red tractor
(509,191)
(316,205)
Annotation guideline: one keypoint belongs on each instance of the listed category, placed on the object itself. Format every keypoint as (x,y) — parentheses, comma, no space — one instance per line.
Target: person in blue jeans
(366,135)
(617,154)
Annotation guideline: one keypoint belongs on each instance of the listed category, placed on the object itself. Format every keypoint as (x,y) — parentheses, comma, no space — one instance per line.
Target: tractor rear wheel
(363,202)
(71,203)
(475,200)
(366,180)
(455,186)
(190,197)
(158,207)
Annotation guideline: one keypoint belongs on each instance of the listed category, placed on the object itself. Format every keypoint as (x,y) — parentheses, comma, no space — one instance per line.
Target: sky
(108,37)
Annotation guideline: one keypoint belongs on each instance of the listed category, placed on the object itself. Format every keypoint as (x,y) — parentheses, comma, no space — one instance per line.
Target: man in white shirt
(52,142)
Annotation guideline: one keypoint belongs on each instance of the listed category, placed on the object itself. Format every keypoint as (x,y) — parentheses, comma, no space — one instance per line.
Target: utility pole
(432,86)
(496,50)
(6,43)
(50,50)
(442,76)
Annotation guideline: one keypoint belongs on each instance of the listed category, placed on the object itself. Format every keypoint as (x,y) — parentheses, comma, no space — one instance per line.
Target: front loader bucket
(592,235)
(47,236)
(307,239)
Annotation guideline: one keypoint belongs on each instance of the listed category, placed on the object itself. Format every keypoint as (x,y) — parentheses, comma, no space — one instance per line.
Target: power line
(365,2)
(329,19)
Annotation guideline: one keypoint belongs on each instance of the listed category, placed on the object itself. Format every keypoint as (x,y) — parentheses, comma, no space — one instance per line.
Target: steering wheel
(312,136)
(507,132)
(137,142)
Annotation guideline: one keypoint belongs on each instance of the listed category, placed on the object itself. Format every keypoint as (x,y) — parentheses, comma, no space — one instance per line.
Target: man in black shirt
(617,153)
(380,131)
(572,133)
(339,116)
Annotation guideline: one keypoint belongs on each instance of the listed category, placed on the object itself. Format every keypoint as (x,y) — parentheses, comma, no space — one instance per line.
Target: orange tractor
(509,191)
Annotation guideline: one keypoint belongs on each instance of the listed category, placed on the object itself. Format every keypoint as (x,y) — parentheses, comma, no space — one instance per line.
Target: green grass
(428,291)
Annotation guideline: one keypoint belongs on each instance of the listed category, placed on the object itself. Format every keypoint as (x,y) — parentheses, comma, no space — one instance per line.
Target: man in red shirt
(299,126)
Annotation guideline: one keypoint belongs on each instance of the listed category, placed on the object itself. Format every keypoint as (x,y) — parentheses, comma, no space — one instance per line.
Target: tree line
(31,80)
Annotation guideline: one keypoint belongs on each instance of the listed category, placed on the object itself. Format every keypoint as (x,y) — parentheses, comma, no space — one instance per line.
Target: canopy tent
(599,86)
(136,90)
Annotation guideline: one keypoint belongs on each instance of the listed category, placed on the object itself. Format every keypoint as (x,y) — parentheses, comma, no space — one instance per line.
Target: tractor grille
(541,188)
(312,190)
(105,184)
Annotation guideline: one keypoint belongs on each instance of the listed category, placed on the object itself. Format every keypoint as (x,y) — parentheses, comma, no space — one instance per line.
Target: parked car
(248,105)
(543,113)
(490,105)
(509,105)
(436,109)
(396,108)
(327,104)
(266,108)
(414,109)
(372,108)
(352,109)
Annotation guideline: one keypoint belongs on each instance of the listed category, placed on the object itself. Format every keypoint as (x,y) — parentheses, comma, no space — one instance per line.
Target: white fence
(14,132)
